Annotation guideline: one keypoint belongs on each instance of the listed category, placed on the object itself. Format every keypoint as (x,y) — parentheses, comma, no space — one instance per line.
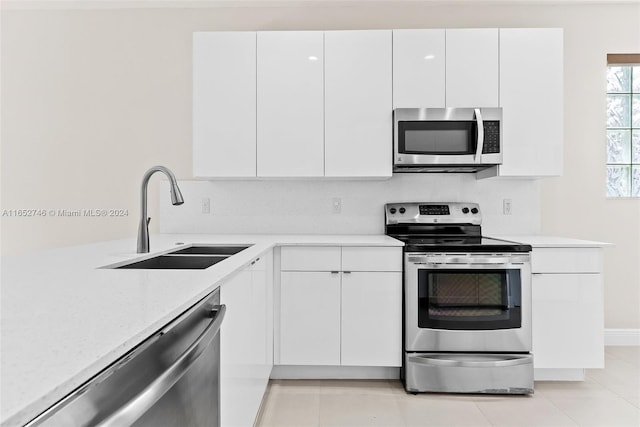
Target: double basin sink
(189,258)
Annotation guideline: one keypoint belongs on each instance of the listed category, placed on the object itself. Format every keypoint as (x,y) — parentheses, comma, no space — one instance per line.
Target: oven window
(437,137)
(469,300)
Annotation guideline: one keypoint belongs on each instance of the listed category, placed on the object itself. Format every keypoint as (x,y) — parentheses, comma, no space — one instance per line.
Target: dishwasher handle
(136,407)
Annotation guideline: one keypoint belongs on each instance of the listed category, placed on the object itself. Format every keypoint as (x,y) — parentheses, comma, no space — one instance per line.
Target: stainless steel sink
(194,257)
(210,250)
(170,262)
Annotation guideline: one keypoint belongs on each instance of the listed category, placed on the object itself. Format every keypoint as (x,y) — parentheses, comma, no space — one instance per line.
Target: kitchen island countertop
(64,318)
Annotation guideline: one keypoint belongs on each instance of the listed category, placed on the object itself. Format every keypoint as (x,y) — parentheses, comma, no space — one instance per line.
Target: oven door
(467,302)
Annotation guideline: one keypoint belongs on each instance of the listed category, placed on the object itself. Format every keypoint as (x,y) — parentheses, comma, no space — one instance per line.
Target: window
(623,125)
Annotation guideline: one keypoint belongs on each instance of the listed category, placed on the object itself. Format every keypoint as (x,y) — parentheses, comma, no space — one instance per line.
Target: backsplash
(306,206)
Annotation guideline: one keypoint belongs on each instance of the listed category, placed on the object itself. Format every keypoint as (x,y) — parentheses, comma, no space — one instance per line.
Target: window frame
(623,60)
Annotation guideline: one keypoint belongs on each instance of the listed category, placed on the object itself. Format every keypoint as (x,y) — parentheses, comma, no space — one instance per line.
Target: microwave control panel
(491,137)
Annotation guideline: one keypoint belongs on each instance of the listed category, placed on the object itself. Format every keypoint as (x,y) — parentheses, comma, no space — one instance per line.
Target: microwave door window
(437,137)
(436,141)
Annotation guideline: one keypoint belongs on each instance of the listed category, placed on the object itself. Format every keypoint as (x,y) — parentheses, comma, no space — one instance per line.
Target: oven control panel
(434,210)
(433,213)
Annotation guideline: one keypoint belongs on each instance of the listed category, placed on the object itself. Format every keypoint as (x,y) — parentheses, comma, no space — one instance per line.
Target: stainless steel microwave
(446,139)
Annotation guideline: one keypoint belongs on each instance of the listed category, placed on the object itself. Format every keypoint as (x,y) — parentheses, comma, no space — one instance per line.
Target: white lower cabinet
(371,319)
(262,317)
(568,321)
(245,336)
(310,318)
(568,310)
(344,315)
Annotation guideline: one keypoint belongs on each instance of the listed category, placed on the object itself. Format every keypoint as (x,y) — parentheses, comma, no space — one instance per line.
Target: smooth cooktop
(460,244)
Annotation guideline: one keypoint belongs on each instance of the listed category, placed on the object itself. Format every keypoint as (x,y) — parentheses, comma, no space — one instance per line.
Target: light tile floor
(609,397)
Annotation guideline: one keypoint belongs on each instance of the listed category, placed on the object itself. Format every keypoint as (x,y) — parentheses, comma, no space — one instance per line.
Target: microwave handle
(480,143)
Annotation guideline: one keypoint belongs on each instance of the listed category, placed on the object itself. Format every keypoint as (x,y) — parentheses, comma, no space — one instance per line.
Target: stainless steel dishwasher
(171,379)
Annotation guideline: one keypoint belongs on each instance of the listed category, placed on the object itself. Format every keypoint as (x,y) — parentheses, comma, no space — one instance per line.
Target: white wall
(92,98)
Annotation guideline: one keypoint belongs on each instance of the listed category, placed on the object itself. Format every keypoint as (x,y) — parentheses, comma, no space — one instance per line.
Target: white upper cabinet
(224,104)
(531,84)
(319,104)
(472,67)
(357,110)
(290,103)
(418,68)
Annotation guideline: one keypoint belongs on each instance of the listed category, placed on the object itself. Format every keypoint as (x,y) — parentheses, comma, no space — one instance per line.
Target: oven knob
(474,210)
(402,210)
(465,210)
(392,210)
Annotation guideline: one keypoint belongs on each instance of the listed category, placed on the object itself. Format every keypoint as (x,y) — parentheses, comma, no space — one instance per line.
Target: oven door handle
(460,260)
(433,361)
(465,260)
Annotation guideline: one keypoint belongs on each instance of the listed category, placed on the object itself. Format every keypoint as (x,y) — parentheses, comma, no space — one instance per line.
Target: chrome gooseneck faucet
(176,199)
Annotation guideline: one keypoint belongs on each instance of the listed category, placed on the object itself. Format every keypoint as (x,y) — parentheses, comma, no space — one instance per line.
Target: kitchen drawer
(566,260)
(371,259)
(313,258)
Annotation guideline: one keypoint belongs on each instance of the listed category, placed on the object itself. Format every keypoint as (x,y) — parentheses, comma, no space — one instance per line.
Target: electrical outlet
(506,206)
(206,205)
(336,204)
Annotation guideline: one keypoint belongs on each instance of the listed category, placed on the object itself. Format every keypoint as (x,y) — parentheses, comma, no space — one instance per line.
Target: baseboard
(620,337)
(547,374)
(282,372)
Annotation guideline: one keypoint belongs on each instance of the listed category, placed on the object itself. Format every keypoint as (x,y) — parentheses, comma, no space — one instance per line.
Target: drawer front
(566,260)
(371,259)
(311,258)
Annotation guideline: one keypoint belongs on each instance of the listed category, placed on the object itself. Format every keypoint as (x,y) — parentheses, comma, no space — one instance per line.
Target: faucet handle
(148,220)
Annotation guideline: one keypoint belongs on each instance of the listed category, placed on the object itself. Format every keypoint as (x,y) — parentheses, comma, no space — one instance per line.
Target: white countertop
(538,241)
(64,319)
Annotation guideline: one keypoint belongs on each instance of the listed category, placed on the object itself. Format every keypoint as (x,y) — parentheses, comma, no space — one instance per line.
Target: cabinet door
(472,67)
(290,103)
(358,104)
(568,321)
(224,104)
(260,314)
(237,405)
(418,68)
(531,74)
(310,318)
(262,300)
(371,319)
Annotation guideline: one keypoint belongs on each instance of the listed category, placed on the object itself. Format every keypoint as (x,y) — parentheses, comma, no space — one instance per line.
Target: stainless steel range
(467,302)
